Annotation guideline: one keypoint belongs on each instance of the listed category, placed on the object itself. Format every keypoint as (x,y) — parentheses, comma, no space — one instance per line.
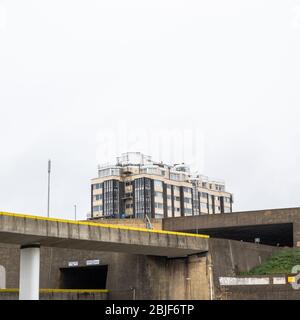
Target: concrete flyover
(26,230)
(273,227)
(32,232)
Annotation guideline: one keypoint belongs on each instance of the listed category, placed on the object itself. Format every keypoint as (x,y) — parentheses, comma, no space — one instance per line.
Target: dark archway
(89,277)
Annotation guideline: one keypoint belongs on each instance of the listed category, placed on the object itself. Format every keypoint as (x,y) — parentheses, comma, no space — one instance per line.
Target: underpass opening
(87,277)
(268,234)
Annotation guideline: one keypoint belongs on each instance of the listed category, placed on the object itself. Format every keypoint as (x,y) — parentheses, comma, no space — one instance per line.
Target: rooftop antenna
(49,173)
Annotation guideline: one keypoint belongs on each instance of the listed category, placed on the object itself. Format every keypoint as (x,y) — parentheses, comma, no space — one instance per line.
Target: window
(188,212)
(158,205)
(158,194)
(142,197)
(128,183)
(196,204)
(111,197)
(177,198)
(103,173)
(154,170)
(187,200)
(175,176)
(188,190)
(97,186)
(109,172)
(96,208)
(203,206)
(158,183)
(176,189)
(227,199)
(115,172)
(98,197)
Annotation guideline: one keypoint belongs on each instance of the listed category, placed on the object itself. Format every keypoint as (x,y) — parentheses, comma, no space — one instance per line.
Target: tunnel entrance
(88,277)
(270,234)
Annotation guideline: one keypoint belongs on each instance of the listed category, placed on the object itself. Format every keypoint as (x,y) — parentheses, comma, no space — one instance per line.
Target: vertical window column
(181,201)
(165,200)
(172,199)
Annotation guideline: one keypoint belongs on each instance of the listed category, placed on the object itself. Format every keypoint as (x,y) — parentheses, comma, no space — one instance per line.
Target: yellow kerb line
(12,290)
(103,225)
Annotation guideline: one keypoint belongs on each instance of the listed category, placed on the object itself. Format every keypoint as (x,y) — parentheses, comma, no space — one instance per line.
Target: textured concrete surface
(260,292)
(22,230)
(139,223)
(271,226)
(230,257)
(149,277)
(143,276)
(146,277)
(58,296)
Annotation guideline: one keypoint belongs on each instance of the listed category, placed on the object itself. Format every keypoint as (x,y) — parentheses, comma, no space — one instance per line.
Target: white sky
(82,80)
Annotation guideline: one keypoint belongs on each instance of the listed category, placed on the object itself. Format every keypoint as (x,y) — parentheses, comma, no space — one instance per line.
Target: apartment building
(137,186)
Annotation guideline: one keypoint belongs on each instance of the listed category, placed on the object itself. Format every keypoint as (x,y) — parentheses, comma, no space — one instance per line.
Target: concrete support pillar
(296,234)
(2,278)
(29,272)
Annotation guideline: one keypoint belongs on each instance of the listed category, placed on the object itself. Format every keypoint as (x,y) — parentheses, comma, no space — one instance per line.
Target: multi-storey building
(137,186)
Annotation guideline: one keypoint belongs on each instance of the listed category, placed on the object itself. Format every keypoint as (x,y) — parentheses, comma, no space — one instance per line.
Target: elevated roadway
(273,227)
(31,232)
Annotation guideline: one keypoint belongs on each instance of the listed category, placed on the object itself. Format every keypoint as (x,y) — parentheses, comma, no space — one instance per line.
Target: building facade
(136,186)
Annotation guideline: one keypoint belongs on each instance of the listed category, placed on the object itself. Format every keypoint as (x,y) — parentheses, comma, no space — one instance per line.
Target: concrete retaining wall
(260,292)
(147,277)
(231,257)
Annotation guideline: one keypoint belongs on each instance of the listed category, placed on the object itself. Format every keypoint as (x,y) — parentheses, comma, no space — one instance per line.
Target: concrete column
(2,278)
(29,272)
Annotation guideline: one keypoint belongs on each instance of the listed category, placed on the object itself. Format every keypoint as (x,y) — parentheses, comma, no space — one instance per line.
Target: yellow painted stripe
(103,225)
(9,290)
(12,290)
(73,291)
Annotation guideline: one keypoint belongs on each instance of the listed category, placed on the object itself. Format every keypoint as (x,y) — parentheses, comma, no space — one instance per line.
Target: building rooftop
(144,164)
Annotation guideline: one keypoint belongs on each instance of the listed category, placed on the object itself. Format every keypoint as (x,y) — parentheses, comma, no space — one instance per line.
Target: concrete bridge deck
(272,227)
(26,230)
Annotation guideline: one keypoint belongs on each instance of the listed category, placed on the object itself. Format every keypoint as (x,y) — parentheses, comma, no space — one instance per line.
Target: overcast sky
(81,81)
